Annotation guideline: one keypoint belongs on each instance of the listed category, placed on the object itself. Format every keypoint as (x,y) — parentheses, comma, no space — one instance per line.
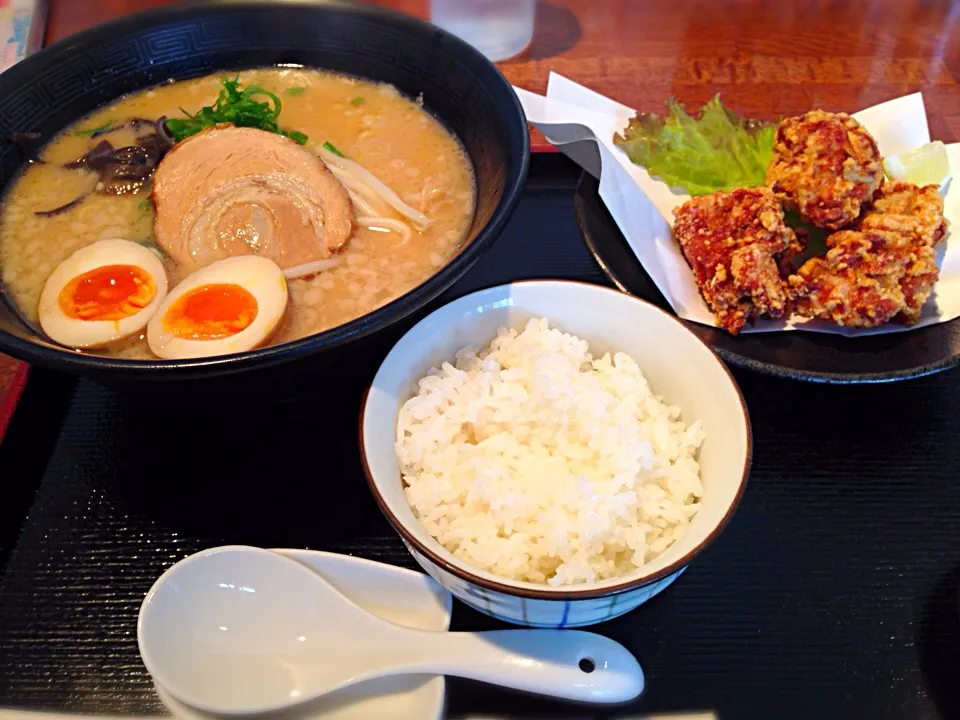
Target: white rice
(536,462)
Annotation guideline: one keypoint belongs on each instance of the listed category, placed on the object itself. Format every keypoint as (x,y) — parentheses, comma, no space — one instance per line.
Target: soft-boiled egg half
(229,306)
(104,292)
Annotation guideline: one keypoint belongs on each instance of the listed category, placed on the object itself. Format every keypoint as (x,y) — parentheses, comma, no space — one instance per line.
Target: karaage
(906,208)
(916,213)
(826,167)
(857,283)
(883,271)
(734,241)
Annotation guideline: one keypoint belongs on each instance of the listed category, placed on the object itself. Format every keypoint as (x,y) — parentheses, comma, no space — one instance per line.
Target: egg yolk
(210,312)
(110,292)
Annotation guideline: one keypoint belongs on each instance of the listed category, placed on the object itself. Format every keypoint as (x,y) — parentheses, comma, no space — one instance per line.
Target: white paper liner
(642,206)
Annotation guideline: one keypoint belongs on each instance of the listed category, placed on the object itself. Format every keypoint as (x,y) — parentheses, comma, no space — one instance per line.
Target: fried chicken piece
(825,166)
(916,213)
(733,242)
(906,208)
(917,284)
(885,269)
(857,283)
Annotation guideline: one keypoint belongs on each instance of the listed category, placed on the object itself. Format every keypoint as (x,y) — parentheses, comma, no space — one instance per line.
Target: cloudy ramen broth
(390,135)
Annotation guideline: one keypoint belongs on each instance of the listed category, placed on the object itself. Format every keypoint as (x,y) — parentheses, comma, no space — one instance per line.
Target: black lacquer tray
(832,593)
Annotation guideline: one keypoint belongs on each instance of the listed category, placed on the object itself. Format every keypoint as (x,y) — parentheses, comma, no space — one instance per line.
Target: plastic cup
(498,28)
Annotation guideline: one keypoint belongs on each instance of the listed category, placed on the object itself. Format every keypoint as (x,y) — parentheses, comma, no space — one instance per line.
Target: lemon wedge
(927,165)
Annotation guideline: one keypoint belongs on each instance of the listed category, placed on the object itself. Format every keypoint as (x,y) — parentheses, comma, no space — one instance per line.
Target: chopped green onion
(298,90)
(151,244)
(94,130)
(297,136)
(235,105)
(357,101)
(145,204)
(333,148)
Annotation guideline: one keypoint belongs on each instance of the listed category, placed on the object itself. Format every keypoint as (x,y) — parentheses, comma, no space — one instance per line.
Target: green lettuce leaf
(719,150)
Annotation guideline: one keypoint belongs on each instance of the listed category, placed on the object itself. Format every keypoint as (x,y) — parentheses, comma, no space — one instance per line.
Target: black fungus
(61,209)
(27,145)
(95,159)
(127,169)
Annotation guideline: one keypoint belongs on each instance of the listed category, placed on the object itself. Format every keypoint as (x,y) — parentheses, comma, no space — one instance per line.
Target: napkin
(571,115)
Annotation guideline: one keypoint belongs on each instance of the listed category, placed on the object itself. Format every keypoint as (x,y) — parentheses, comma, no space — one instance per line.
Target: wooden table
(767,59)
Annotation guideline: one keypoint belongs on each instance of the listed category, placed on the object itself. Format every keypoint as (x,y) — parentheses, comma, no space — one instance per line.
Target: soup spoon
(241,630)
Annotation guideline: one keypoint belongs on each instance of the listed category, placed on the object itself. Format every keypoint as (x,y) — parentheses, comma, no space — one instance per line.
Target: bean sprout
(380,223)
(311,268)
(352,173)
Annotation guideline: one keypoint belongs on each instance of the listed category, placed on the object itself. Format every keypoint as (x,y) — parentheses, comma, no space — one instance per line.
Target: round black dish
(463,89)
(814,357)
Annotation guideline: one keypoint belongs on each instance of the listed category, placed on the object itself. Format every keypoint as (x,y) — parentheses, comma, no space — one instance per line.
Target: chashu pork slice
(240,191)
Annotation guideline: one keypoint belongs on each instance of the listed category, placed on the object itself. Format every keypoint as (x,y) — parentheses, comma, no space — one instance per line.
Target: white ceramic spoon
(241,630)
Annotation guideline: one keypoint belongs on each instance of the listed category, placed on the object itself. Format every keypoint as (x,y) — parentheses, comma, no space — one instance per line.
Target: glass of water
(498,28)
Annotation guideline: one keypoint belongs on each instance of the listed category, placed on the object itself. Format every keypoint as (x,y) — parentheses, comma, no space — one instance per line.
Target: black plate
(814,357)
(831,594)
(51,89)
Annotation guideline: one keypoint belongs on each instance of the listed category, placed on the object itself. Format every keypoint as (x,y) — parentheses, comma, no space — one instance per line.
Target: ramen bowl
(59,85)
(679,367)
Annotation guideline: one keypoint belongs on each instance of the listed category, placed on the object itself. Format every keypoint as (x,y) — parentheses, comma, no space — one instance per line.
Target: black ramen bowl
(57,86)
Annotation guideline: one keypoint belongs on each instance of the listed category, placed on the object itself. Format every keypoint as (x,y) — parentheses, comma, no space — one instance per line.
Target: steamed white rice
(536,462)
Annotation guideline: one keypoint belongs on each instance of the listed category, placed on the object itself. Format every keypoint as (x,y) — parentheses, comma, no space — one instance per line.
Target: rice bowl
(677,365)
(538,462)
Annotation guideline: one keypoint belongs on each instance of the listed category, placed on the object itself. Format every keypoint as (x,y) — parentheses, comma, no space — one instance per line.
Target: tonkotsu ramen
(124,237)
